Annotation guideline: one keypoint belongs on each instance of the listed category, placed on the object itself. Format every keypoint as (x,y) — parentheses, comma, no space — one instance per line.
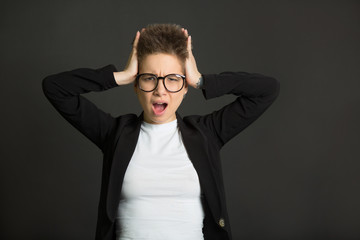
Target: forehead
(161,64)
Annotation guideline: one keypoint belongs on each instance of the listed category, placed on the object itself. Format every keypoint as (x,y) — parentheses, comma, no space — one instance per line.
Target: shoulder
(200,124)
(127,118)
(124,124)
(129,121)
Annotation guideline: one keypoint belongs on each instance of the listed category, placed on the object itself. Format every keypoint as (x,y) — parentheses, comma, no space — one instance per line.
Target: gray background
(297,176)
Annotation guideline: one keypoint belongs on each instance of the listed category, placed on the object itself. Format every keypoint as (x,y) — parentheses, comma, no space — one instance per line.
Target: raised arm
(255,93)
(64,90)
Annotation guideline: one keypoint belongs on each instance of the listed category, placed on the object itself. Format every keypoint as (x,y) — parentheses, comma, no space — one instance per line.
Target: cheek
(178,99)
(143,99)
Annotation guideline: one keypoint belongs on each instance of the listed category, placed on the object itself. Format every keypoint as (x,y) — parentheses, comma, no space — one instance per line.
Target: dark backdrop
(297,176)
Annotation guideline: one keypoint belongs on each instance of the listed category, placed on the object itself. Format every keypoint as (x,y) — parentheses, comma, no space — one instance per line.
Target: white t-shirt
(161,195)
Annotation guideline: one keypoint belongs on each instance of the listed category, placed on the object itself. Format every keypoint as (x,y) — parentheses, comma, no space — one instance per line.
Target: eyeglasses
(148,82)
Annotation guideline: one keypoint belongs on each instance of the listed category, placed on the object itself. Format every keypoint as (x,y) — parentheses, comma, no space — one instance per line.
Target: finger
(186,32)
(189,44)
(136,40)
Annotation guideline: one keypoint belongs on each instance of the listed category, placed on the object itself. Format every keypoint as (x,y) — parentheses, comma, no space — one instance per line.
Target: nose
(160,88)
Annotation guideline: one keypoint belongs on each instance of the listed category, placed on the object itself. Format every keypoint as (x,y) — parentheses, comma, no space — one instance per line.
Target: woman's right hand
(128,75)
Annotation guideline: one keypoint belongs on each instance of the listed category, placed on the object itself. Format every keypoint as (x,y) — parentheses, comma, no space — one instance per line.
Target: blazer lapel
(124,149)
(194,144)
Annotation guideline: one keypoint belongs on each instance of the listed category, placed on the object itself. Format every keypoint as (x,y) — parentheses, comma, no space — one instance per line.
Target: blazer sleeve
(63,91)
(255,93)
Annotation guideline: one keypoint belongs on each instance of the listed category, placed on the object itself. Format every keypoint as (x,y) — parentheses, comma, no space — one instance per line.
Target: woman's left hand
(192,74)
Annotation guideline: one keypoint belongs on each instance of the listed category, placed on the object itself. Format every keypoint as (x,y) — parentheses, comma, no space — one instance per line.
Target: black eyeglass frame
(157,81)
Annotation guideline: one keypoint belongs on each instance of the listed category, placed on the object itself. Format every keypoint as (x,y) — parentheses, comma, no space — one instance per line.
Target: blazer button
(222,222)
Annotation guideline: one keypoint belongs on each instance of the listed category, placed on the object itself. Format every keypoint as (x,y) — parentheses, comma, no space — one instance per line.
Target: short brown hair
(162,38)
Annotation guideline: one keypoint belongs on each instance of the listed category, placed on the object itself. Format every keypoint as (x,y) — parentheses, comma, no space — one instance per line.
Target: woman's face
(160,105)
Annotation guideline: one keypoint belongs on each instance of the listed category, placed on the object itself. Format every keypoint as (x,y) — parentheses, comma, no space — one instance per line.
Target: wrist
(200,82)
(123,77)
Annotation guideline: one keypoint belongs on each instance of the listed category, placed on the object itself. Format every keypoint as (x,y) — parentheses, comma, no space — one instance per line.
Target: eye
(148,78)
(174,78)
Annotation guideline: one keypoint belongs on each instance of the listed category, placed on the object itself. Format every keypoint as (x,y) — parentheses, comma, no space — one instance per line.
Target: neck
(155,121)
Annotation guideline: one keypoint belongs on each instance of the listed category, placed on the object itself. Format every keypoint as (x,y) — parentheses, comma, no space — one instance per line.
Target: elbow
(273,88)
(48,85)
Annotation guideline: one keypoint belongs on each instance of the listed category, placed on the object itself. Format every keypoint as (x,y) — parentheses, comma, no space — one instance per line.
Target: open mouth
(159,108)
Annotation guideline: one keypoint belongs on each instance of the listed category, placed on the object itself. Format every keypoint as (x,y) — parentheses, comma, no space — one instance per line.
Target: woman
(161,176)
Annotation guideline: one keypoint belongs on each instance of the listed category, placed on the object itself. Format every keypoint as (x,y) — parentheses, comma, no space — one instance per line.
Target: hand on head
(191,71)
(128,75)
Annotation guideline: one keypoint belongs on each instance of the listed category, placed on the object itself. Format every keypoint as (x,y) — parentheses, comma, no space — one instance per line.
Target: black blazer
(203,136)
